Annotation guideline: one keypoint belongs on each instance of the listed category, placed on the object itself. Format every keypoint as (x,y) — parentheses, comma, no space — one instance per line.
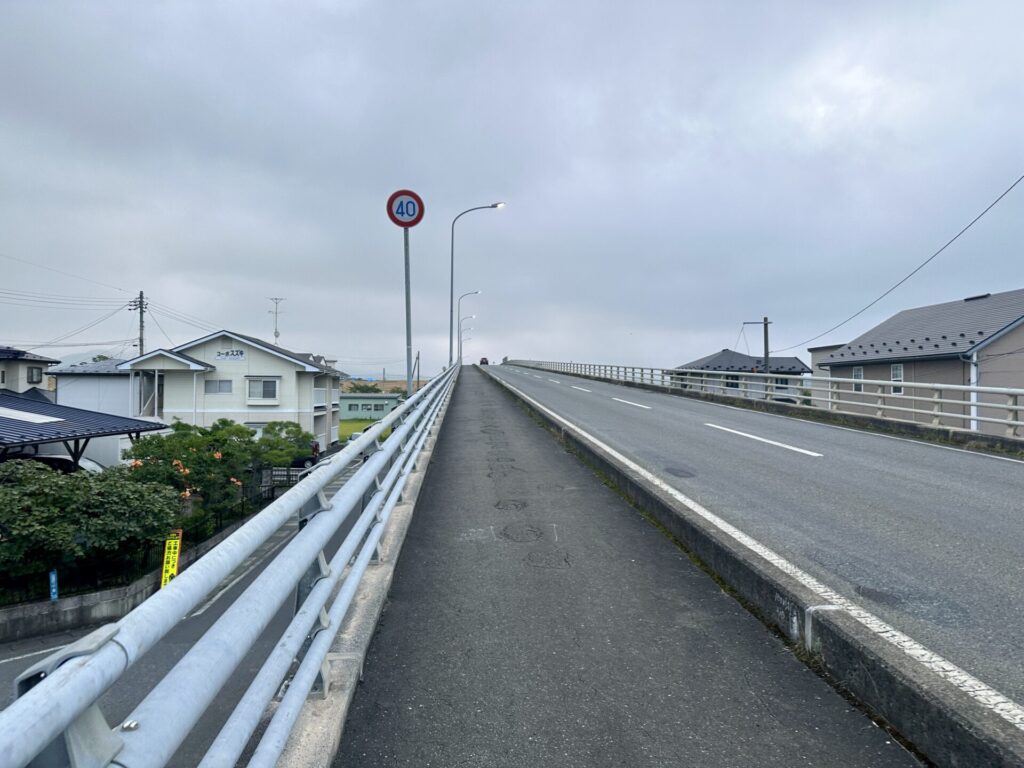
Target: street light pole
(461,321)
(451,293)
(471,293)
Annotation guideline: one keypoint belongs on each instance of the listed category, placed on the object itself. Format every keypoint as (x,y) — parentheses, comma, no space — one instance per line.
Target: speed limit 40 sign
(405,208)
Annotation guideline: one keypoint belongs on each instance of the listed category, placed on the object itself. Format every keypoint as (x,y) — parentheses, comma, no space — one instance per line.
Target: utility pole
(275,311)
(765,367)
(140,305)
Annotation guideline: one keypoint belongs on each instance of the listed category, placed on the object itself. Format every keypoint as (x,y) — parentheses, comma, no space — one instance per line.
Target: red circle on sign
(416,218)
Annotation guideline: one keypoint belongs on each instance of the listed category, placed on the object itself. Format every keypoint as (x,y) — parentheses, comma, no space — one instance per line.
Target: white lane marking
(202,609)
(29,655)
(629,402)
(765,440)
(537,377)
(554,382)
(984,694)
(581,389)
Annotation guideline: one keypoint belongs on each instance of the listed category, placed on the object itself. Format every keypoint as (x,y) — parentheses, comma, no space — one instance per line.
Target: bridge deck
(537,619)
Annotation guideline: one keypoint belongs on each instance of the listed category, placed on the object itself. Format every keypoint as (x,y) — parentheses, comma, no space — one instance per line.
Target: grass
(348,426)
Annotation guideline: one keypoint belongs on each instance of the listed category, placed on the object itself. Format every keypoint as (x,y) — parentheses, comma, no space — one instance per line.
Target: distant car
(305,462)
(63,464)
(484,361)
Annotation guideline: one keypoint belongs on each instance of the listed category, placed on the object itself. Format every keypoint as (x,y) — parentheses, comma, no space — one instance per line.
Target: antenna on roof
(275,312)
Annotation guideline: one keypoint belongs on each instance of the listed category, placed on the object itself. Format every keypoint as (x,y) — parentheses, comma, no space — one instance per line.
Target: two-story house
(228,375)
(24,372)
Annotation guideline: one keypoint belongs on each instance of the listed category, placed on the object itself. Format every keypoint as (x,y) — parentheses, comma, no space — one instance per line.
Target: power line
(97,321)
(917,269)
(62,272)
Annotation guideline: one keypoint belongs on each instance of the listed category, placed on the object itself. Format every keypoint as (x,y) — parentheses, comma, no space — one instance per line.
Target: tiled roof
(729,360)
(951,329)
(30,422)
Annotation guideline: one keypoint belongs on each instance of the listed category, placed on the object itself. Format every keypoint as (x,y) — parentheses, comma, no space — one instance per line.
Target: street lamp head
(497,205)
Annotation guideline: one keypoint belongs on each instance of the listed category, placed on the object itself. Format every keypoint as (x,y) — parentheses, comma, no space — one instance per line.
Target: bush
(51,520)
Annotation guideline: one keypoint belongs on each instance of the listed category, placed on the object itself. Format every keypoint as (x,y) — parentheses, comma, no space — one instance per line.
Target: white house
(228,375)
(22,372)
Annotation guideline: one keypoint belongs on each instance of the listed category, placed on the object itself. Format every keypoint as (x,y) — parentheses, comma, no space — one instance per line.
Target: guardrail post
(1012,414)
(89,740)
(880,402)
(936,407)
(833,395)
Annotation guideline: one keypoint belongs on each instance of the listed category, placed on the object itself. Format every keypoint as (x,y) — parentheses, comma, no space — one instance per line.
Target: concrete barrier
(941,720)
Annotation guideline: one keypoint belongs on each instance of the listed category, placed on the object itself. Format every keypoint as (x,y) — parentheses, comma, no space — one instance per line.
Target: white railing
(334,398)
(983,410)
(319,397)
(334,434)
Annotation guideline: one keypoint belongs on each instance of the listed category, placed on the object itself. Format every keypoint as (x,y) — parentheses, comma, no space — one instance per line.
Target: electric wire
(917,269)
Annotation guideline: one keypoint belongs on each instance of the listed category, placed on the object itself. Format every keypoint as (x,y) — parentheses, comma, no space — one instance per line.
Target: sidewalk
(536,619)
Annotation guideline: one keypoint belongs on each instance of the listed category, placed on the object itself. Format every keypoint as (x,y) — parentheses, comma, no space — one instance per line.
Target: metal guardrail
(55,720)
(983,410)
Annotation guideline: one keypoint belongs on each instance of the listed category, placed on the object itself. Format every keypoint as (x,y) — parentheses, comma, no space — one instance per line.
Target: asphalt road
(536,619)
(924,536)
(122,698)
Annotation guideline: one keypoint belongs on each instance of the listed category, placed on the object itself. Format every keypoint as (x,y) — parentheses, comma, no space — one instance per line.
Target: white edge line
(581,389)
(765,440)
(630,402)
(984,694)
(200,611)
(29,655)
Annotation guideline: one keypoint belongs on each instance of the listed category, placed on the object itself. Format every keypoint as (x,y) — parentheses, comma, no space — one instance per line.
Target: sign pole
(408,320)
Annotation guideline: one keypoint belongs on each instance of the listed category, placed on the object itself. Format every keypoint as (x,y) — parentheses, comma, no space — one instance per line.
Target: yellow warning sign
(172,552)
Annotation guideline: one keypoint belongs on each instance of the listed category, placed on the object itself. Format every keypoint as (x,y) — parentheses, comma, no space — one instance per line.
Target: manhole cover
(511,504)
(522,533)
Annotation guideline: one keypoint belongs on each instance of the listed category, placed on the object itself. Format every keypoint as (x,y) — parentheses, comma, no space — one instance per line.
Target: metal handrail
(919,402)
(58,695)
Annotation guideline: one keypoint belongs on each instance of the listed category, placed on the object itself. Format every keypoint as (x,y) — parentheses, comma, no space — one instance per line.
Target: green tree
(51,520)
(281,442)
(364,388)
(210,463)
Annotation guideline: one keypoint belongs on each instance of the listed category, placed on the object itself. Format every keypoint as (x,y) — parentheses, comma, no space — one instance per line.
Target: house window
(896,374)
(258,427)
(378,406)
(858,373)
(3,377)
(353,406)
(217,386)
(263,389)
(367,406)
(733,382)
(35,374)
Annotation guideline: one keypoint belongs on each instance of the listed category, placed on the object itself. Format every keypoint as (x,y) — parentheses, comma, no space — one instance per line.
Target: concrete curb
(317,734)
(939,719)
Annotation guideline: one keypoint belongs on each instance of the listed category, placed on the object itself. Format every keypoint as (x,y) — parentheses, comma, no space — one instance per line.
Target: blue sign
(53,585)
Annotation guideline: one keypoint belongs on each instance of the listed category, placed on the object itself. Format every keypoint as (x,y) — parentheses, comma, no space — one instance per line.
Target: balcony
(319,397)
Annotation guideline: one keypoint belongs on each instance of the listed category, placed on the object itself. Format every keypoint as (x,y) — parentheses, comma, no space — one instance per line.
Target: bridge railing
(55,720)
(983,410)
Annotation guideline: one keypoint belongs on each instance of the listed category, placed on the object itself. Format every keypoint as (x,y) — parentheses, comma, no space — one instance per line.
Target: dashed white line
(537,377)
(630,402)
(985,695)
(765,440)
(581,389)
(554,382)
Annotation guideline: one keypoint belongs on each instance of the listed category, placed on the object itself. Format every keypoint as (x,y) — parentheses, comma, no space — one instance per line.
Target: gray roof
(102,368)
(60,423)
(729,360)
(10,353)
(317,361)
(951,329)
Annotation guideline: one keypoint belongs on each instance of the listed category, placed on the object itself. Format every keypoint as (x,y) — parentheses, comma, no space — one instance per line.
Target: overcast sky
(671,170)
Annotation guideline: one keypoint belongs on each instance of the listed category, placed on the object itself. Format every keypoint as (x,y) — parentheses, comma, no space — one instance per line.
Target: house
(726,369)
(368,405)
(977,341)
(97,386)
(23,372)
(228,375)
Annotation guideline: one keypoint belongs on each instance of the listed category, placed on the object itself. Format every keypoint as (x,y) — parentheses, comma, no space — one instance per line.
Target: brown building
(977,342)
